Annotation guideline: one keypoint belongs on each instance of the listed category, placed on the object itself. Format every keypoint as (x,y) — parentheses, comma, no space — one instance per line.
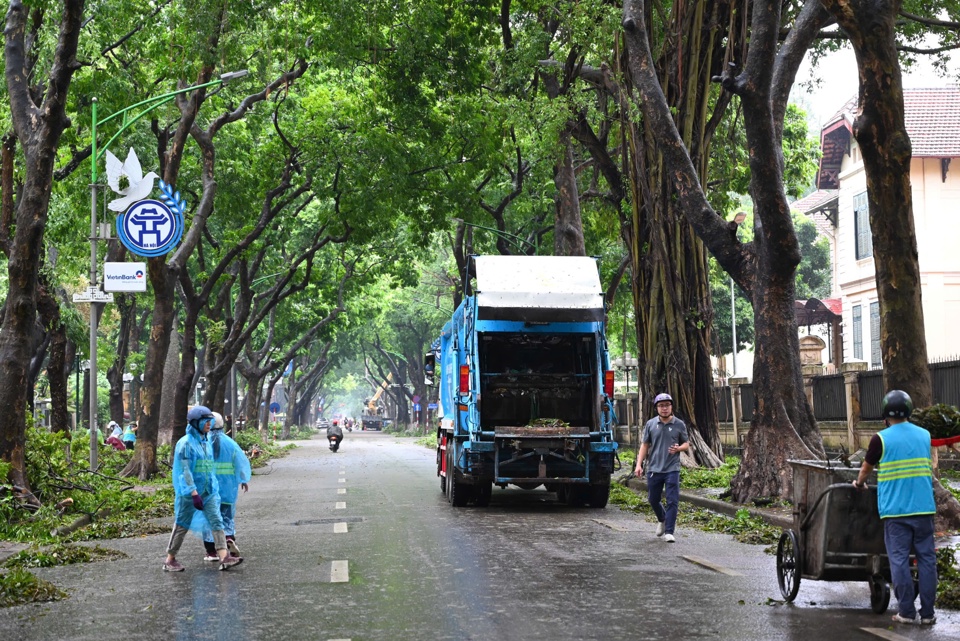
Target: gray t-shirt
(660,437)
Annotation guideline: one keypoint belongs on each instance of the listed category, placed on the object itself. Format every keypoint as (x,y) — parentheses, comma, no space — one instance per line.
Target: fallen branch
(83,521)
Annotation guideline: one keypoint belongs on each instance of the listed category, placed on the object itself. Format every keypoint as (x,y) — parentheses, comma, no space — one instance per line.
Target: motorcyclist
(335,431)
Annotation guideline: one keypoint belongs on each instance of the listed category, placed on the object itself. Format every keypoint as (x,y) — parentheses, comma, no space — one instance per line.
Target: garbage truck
(525,384)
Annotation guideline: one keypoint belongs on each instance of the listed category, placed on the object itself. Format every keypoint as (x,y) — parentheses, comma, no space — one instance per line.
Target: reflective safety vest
(905,472)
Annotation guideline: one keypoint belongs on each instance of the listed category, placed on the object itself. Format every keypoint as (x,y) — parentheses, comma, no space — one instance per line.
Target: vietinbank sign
(124,277)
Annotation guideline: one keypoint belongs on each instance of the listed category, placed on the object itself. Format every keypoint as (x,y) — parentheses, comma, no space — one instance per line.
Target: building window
(875,360)
(857,333)
(861,226)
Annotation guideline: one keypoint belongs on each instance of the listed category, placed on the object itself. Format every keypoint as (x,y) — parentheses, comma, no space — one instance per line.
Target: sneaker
(232,546)
(669,538)
(660,528)
(210,558)
(230,561)
(929,621)
(173,566)
(899,619)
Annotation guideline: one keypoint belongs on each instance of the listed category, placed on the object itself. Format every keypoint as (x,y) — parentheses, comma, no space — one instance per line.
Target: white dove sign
(145,226)
(138,186)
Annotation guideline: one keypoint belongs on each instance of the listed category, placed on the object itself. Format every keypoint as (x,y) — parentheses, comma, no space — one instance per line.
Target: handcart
(837,534)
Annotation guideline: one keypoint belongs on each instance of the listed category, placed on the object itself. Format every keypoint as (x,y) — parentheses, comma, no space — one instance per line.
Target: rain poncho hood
(193,465)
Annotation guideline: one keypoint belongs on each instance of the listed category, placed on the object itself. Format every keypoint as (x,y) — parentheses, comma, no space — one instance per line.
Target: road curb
(722,507)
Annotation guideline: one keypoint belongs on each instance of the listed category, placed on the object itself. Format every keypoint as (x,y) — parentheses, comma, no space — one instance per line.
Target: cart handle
(848,486)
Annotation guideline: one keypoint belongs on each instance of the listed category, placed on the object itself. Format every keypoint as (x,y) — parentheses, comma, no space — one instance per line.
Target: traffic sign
(274,407)
(432,406)
(93,295)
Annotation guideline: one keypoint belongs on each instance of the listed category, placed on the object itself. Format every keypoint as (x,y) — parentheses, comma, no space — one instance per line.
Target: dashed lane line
(339,572)
(341,505)
(341,480)
(339,528)
(696,560)
(341,490)
(885,634)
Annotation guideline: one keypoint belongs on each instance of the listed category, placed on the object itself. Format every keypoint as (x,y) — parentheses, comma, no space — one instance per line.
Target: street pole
(94,233)
(148,105)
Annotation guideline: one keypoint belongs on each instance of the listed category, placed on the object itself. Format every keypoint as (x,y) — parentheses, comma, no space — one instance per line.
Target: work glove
(197,501)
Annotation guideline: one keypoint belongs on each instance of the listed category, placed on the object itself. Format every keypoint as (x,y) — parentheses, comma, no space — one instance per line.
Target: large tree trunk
(38,128)
(143,465)
(881,132)
(57,363)
(568,226)
(783,426)
(669,268)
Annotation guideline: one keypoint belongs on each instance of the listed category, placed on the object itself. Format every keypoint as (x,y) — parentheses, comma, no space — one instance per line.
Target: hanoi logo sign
(150,227)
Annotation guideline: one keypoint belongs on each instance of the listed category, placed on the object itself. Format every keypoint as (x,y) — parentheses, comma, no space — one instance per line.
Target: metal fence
(871,394)
(829,398)
(946,382)
(724,404)
(829,394)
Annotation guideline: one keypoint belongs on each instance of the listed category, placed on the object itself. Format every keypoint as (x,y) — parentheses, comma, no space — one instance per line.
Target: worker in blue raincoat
(197,491)
(233,472)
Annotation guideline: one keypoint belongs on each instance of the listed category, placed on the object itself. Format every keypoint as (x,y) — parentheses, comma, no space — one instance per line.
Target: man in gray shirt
(664,437)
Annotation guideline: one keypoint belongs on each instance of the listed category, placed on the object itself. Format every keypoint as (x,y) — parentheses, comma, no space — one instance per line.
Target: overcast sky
(837,73)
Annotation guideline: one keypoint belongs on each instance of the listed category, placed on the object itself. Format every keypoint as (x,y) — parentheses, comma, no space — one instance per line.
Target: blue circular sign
(274,407)
(149,228)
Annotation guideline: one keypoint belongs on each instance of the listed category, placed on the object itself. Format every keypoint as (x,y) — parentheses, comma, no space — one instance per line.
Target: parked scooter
(334,436)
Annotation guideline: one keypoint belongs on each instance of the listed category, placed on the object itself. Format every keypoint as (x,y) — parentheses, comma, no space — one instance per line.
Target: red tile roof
(933,121)
(932,118)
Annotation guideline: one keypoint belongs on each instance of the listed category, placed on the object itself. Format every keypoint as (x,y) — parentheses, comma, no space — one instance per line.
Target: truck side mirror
(429,366)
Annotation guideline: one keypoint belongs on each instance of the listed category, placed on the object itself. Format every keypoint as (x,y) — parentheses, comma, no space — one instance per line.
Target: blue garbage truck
(525,384)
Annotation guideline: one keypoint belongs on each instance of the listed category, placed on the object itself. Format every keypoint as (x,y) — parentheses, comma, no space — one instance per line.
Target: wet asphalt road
(362,545)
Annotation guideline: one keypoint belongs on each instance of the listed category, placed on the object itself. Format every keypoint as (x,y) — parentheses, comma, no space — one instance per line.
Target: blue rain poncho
(129,434)
(230,464)
(193,469)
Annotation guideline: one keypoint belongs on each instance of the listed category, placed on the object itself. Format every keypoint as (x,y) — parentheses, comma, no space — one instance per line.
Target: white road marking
(342,472)
(339,528)
(339,572)
(885,634)
(341,505)
(696,560)
(341,490)
(341,480)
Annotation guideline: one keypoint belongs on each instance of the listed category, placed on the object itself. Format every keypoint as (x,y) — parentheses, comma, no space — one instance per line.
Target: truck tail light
(464,379)
(608,383)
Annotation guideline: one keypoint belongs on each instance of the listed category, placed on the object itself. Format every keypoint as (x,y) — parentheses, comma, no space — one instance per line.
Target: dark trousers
(658,484)
(901,535)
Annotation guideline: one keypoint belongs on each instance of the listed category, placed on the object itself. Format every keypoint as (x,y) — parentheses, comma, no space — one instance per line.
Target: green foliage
(300,433)
(19,586)
(941,420)
(258,449)
(948,573)
(744,527)
(429,441)
(60,554)
(701,477)
(68,483)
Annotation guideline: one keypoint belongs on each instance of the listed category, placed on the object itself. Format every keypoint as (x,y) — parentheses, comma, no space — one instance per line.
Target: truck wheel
(460,493)
(577,496)
(599,495)
(482,493)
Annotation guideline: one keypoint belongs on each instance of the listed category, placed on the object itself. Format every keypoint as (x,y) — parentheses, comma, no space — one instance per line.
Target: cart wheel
(788,550)
(879,595)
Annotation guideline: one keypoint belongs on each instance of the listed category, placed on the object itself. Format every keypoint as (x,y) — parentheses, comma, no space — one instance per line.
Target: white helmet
(217,421)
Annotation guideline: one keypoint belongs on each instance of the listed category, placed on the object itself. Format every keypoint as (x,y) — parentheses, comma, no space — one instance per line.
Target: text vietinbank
(124,277)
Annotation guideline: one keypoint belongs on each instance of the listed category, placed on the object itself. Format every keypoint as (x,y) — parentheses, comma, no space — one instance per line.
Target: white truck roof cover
(538,288)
